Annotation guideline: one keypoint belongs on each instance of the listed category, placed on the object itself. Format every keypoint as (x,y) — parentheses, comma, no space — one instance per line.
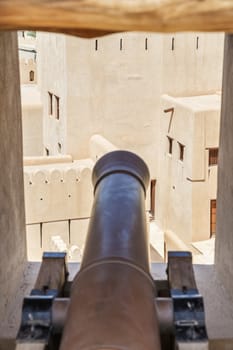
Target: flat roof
(197,103)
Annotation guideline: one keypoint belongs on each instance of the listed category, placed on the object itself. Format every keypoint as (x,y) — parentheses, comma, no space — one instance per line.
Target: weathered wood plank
(180,272)
(90,18)
(221,344)
(32,346)
(192,346)
(52,274)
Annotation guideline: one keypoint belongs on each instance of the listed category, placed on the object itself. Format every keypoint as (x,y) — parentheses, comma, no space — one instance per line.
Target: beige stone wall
(173,189)
(43,160)
(112,86)
(32,120)
(52,67)
(27,58)
(186,187)
(12,219)
(57,192)
(32,132)
(105,92)
(58,201)
(188,70)
(28,71)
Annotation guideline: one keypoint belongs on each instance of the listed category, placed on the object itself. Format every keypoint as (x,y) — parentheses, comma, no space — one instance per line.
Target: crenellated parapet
(58,200)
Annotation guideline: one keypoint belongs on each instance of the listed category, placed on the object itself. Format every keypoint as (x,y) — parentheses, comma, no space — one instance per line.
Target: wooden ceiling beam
(92,18)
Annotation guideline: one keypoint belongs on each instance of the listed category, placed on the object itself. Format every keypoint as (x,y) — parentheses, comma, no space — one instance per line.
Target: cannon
(113,302)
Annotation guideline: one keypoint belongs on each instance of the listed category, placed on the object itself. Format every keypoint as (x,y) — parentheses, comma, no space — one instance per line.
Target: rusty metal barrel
(112,296)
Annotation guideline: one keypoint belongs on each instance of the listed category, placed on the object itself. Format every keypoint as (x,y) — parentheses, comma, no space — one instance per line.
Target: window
(181,148)
(57,107)
(170,142)
(152,198)
(121,44)
(54,105)
(213,156)
(59,147)
(173,44)
(47,151)
(50,103)
(31,75)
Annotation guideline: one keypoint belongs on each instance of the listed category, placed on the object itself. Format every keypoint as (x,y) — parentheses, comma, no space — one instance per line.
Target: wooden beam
(32,346)
(52,274)
(192,346)
(180,271)
(90,18)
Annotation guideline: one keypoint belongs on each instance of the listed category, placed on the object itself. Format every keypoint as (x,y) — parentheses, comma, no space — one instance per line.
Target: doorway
(212,217)
(152,198)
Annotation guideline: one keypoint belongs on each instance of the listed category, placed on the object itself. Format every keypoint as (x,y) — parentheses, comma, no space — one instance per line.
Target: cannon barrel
(112,296)
(114,304)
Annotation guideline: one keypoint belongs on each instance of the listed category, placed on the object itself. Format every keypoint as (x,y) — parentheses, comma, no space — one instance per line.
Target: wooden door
(212,217)
(152,197)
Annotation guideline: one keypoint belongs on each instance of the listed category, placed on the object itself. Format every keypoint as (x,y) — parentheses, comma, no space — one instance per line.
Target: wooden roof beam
(92,18)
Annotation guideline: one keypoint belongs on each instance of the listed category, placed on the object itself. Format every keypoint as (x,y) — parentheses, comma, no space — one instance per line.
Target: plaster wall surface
(56,192)
(192,63)
(105,86)
(53,79)
(32,120)
(224,237)
(185,187)
(43,160)
(27,58)
(112,86)
(27,66)
(58,201)
(12,219)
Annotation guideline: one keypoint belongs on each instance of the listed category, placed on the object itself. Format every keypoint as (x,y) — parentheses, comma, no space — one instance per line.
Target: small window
(213,156)
(121,44)
(170,143)
(57,106)
(173,44)
(181,149)
(31,75)
(47,151)
(152,198)
(59,147)
(50,103)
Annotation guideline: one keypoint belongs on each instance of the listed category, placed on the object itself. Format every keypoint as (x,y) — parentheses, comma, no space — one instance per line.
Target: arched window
(31,75)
